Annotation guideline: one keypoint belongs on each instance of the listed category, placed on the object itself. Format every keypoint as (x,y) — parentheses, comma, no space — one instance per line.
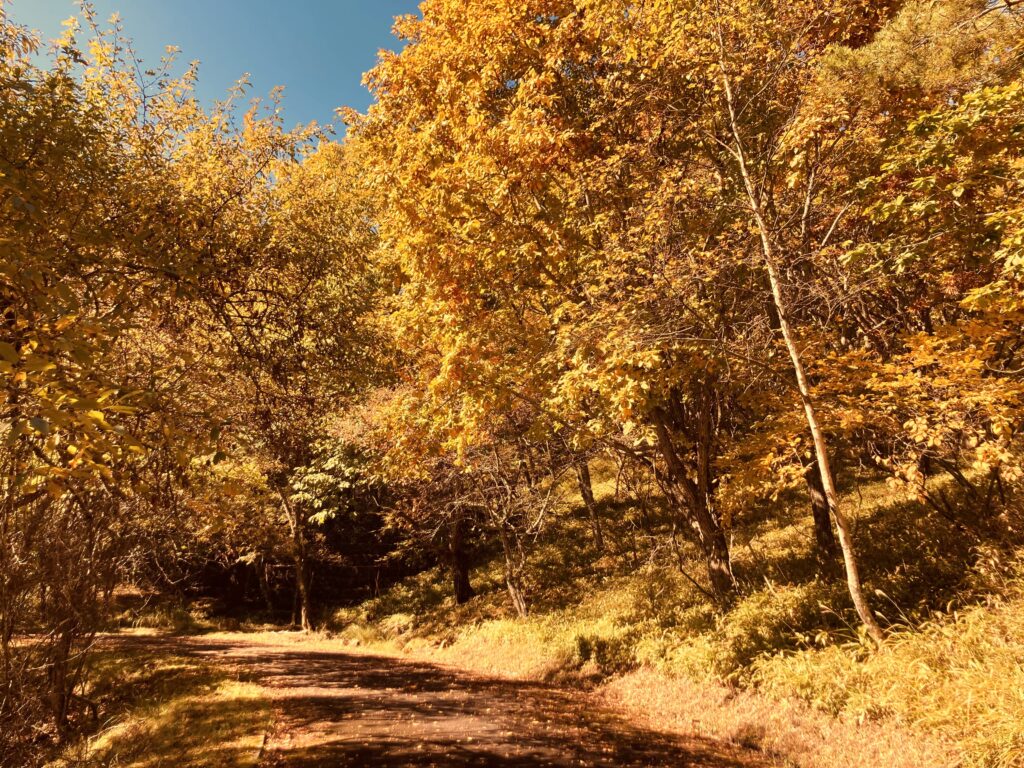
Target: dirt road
(334,707)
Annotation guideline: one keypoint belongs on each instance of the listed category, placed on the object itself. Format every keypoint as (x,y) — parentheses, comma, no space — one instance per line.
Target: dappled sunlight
(316,704)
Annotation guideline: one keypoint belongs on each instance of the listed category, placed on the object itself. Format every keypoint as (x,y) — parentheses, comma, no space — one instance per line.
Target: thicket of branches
(733,248)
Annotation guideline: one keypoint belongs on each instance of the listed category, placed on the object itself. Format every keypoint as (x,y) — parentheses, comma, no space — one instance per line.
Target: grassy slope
(784,668)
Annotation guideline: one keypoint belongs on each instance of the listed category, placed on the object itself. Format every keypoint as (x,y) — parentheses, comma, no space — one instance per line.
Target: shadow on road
(336,708)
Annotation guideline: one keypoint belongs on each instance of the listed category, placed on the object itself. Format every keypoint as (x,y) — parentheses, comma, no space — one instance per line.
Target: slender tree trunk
(57,673)
(302,590)
(263,567)
(301,565)
(515,592)
(821,450)
(826,548)
(513,577)
(716,551)
(587,494)
(6,627)
(459,562)
(6,635)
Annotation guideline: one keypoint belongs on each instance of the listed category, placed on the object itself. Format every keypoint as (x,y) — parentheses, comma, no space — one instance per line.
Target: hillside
(785,670)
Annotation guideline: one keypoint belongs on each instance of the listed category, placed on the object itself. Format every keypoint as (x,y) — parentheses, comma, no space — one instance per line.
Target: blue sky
(317,49)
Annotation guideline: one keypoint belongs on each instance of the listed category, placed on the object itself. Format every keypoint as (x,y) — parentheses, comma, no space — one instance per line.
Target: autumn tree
(90,257)
(506,196)
(934,228)
(160,264)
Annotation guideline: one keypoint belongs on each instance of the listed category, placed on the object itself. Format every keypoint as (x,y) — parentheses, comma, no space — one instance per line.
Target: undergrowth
(180,617)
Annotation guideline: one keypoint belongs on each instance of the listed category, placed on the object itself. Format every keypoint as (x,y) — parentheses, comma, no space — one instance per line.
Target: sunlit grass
(961,676)
(166,709)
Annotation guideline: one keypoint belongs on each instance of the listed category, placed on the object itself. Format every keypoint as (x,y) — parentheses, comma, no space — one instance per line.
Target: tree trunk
(695,511)
(459,563)
(302,597)
(513,578)
(826,548)
(587,494)
(853,582)
(821,450)
(58,694)
(266,591)
(515,591)
(302,590)
(716,551)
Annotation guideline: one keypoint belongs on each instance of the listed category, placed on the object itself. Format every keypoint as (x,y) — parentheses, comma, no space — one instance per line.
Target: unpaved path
(336,707)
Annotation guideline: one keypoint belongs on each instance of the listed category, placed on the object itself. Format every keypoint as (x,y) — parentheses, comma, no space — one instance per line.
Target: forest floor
(275,699)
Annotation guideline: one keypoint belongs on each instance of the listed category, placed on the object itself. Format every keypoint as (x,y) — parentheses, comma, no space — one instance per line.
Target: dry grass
(222,726)
(961,677)
(197,617)
(794,732)
(165,709)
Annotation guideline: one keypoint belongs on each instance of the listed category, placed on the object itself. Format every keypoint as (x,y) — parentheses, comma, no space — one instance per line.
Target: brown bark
(513,575)
(459,562)
(59,693)
(302,602)
(263,568)
(515,591)
(826,548)
(692,500)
